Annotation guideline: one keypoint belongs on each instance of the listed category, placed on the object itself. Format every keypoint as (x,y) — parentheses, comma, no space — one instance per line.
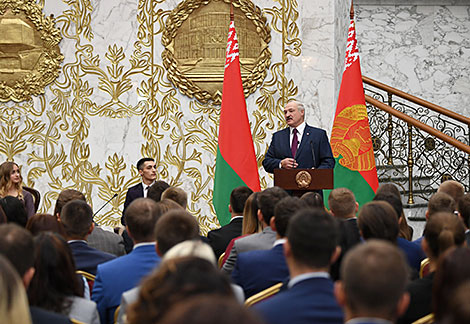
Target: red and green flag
(351,142)
(236,160)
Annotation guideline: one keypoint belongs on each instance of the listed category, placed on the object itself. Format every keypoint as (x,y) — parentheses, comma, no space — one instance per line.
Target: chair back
(262,295)
(36,196)
(428,319)
(220,262)
(90,278)
(424,268)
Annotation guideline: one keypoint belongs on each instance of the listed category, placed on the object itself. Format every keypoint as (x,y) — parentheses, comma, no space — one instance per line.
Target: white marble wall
(420,49)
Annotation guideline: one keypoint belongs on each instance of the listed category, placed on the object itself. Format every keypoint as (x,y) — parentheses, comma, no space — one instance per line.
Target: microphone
(313,155)
(114,196)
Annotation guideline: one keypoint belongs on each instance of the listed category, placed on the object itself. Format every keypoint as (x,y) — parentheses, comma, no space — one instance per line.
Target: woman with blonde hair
(11,184)
(13,302)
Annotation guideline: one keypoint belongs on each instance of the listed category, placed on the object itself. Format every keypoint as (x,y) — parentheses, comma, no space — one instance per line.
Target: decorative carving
(195,37)
(303,179)
(29,53)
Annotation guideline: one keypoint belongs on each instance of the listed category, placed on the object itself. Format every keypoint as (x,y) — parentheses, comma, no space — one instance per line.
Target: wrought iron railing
(417,144)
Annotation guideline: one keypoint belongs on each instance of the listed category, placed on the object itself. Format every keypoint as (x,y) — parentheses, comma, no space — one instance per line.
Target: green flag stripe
(225,180)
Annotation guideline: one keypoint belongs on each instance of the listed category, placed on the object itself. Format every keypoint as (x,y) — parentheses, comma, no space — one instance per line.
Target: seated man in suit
(266,199)
(373,280)
(221,237)
(147,169)
(77,218)
(343,206)
(99,238)
(261,269)
(16,244)
(311,246)
(299,145)
(115,277)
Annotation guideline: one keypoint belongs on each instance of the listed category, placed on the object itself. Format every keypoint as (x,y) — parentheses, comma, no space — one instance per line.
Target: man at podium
(299,145)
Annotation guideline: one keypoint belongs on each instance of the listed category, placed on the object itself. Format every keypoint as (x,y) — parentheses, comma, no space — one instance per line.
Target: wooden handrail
(417,100)
(410,120)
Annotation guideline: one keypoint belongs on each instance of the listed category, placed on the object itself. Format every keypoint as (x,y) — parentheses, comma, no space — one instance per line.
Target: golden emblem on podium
(29,52)
(195,40)
(303,179)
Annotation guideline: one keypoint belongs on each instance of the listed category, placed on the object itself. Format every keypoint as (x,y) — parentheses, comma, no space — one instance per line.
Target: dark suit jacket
(119,275)
(87,258)
(133,193)
(42,316)
(220,238)
(309,301)
(412,252)
(260,269)
(420,291)
(313,137)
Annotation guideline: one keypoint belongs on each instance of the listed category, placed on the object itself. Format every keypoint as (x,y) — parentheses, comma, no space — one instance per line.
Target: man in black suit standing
(148,171)
(299,145)
(220,238)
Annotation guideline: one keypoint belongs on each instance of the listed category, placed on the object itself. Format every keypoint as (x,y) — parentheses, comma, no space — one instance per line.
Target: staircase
(417,146)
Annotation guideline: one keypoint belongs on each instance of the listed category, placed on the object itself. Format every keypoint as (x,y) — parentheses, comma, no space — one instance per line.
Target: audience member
(55,286)
(463,208)
(124,273)
(99,238)
(176,194)
(209,310)
(406,231)
(39,223)
(343,207)
(3,217)
(313,199)
(176,281)
(459,308)
(453,188)
(155,191)
(311,246)
(260,269)
(13,303)
(147,169)
(221,237)
(15,241)
(377,220)
(77,218)
(11,184)
(14,210)
(373,280)
(442,232)
(260,241)
(453,270)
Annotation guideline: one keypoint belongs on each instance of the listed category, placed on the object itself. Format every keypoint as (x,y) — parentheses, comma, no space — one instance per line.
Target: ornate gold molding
(195,38)
(29,53)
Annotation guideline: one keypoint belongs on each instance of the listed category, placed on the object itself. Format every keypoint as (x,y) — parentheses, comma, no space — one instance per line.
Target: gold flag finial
(231,12)
(351,12)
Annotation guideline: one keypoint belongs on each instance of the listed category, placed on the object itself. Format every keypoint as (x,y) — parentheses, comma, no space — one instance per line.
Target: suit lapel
(286,143)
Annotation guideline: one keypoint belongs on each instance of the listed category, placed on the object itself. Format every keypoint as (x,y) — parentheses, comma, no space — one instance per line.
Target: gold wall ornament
(195,40)
(29,53)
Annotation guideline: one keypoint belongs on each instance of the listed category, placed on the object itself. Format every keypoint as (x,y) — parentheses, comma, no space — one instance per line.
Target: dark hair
(313,199)
(283,212)
(140,163)
(453,269)
(443,231)
(238,198)
(393,200)
(155,191)
(441,202)
(389,188)
(459,308)
(464,209)
(77,218)
(141,217)
(342,202)
(175,227)
(64,197)
(44,222)
(251,223)
(377,219)
(54,279)
(14,210)
(453,188)
(174,281)
(374,277)
(210,310)
(16,244)
(313,237)
(267,199)
(176,194)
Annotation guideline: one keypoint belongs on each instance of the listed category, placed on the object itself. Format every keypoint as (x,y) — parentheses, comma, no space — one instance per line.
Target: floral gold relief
(29,53)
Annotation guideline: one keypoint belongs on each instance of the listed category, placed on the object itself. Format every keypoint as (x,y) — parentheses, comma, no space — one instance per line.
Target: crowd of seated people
(291,260)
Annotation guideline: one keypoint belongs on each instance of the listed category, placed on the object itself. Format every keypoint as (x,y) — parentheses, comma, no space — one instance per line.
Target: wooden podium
(299,181)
